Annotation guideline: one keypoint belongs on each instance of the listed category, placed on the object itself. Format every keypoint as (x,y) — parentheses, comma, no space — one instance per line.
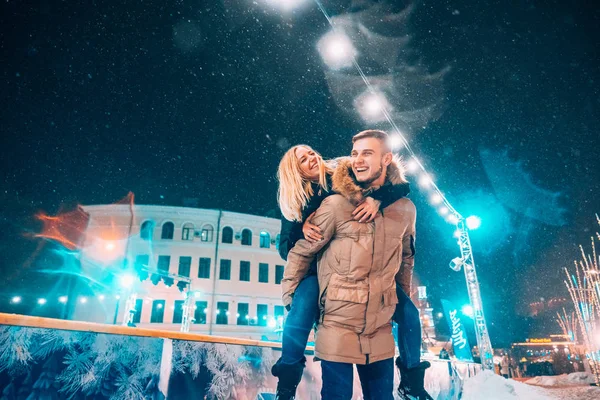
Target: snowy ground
(565,387)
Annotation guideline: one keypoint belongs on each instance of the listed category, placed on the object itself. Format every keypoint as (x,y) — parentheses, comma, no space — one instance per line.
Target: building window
(142,261)
(225,270)
(163,263)
(278,274)
(207,233)
(277,239)
(263,273)
(278,313)
(137,316)
(222,313)
(187,232)
(245,271)
(147,230)
(158,312)
(227,235)
(185,263)
(265,240)
(242,314)
(200,310)
(178,312)
(262,310)
(247,237)
(167,230)
(204,268)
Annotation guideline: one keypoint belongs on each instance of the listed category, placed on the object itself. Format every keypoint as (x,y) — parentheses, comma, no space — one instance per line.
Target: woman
(304,181)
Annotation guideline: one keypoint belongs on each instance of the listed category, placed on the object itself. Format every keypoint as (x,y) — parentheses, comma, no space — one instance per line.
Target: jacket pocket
(342,289)
(346,303)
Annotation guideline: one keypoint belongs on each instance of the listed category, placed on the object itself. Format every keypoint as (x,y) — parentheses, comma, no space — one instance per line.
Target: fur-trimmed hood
(344,182)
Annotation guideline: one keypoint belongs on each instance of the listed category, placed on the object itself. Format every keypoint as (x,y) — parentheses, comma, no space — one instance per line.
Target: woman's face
(308,162)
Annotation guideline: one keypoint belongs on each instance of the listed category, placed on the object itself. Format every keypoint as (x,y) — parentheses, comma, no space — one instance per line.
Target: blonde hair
(294,189)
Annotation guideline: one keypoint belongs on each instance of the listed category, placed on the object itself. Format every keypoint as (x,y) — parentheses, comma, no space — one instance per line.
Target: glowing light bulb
(435,199)
(336,50)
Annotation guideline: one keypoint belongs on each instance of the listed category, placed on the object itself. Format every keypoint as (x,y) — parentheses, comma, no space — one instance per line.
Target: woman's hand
(312,233)
(367,210)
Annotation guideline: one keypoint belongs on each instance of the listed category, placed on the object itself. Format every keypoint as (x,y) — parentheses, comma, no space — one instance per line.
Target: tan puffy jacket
(358,267)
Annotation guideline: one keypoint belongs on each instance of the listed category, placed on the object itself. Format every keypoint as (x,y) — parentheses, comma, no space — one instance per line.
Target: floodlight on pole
(467,310)
(473,222)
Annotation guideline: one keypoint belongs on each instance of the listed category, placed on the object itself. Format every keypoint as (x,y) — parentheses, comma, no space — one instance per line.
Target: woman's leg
(412,370)
(409,330)
(300,320)
(298,324)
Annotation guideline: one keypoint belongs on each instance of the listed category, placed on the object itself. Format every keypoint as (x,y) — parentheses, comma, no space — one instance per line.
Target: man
(358,266)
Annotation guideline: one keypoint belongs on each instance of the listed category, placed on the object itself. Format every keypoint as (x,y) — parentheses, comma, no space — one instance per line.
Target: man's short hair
(374,133)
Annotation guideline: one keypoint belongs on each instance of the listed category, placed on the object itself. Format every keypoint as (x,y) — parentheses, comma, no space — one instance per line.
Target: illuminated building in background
(542,349)
(227,261)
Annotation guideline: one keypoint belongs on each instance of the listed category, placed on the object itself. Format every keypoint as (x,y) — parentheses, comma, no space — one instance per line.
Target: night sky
(200,99)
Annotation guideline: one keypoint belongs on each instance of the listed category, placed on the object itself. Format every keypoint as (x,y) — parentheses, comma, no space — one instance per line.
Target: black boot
(412,382)
(289,376)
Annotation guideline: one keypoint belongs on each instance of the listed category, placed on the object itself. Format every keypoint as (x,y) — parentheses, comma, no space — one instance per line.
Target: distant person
(504,364)
(444,354)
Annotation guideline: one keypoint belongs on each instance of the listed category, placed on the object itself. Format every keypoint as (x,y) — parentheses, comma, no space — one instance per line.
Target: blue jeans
(300,320)
(305,311)
(409,330)
(376,379)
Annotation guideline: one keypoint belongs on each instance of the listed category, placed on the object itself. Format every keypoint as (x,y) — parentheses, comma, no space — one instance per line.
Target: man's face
(368,160)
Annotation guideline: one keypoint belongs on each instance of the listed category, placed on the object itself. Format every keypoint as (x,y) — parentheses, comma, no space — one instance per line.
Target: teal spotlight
(467,310)
(473,222)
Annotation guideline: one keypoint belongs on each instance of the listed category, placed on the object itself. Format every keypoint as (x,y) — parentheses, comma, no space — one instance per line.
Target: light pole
(466,261)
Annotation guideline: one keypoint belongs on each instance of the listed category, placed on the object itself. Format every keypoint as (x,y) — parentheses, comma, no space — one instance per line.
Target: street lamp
(15,300)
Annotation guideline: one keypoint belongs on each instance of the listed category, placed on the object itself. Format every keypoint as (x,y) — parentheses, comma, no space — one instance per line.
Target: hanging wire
(397,130)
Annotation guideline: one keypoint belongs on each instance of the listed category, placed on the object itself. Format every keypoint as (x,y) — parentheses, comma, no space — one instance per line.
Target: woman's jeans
(300,320)
(305,311)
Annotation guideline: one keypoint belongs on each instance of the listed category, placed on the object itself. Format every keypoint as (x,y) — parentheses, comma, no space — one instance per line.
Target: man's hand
(367,211)
(312,233)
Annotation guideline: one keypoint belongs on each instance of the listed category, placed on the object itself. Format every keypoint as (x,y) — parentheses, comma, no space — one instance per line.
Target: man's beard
(372,178)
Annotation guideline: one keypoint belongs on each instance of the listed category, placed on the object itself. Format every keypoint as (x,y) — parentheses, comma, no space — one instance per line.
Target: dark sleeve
(313,204)
(388,194)
(291,232)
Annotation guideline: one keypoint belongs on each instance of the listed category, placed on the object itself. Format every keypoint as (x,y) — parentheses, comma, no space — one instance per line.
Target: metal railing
(74,359)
